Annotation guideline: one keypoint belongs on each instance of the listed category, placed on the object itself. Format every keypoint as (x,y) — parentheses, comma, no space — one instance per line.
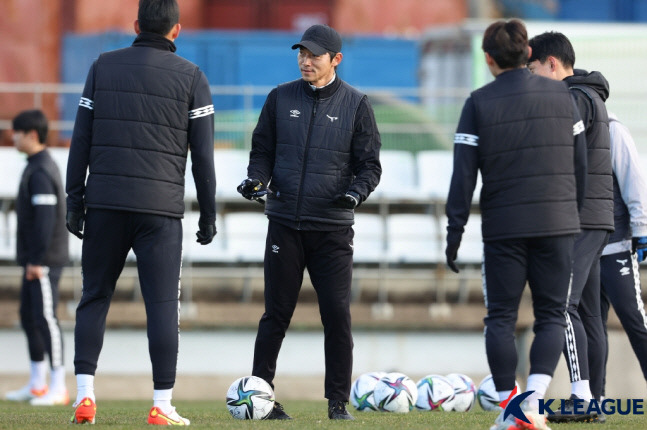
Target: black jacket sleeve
(79,156)
(261,156)
(580,157)
(465,171)
(365,149)
(200,136)
(42,194)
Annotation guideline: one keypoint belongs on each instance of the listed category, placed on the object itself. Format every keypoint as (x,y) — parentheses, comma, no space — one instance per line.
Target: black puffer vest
(313,153)
(526,157)
(139,148)
(597,210)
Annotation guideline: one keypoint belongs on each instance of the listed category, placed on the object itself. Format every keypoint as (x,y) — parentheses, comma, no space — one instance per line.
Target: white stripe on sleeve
(466,139)
(578,128)
(199,112)
(44,200)
(86,103)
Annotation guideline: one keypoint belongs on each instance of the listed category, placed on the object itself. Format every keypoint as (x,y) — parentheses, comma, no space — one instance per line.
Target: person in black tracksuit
(317,146)
(553,56)
(523,132)
(627,247)
(42,250)
(142,109)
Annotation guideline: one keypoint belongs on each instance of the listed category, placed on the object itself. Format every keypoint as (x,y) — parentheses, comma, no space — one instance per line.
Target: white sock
(503,395)
(58,380)
(162,399)
(538,383)
(84,387)
(38,375)
(582,389)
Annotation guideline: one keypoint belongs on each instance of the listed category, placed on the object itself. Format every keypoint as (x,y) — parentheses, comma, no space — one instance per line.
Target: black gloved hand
(74,222)
(206,232)
(252,189)
(451,251)
(639,247)
(350,200)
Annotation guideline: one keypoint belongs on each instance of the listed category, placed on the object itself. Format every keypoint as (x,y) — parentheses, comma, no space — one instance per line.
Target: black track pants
(545,263)
(157,243)
(38,301)
(585,346)
(328,256)
(620,281)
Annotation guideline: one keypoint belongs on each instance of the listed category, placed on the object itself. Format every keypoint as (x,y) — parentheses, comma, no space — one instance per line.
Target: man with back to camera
(627,247)
(42,250)
(317,146)
(143,108)
(553,57)
(525,135)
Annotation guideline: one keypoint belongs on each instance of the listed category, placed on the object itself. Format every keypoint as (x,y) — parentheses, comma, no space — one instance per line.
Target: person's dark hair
(158,16)
(29,120)
(507,43)
(552,44)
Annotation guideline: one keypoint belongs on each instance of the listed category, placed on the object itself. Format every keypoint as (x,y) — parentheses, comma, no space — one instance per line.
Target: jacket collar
(153,40)
(324,92)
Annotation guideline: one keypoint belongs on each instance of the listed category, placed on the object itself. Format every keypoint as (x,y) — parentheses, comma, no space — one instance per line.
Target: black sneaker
(570,417)
(278,413)
(337,410)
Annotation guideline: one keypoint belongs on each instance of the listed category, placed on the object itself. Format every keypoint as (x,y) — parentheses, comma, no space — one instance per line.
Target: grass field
(306,414)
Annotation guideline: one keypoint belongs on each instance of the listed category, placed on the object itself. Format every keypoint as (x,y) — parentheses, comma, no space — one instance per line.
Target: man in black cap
(317,146)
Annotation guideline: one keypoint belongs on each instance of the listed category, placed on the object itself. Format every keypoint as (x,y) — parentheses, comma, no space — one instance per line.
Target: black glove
(252,189)
(639,247)
(74,223)
(350,200)
(206,232)
(451,251)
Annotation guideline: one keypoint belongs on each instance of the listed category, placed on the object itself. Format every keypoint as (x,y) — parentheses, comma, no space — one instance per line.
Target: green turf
(306,414)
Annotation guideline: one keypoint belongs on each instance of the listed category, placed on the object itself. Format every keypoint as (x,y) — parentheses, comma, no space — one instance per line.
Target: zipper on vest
(305,159)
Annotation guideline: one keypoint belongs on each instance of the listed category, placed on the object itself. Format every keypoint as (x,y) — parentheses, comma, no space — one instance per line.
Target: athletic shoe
(25,394)
(337,410)
(568,415)
(537,421)
(85,412)
(51,399)
(156,416)
(278,413)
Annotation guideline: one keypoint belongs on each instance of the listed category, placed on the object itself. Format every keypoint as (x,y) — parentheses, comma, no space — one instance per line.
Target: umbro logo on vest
(295,113)
(332,118)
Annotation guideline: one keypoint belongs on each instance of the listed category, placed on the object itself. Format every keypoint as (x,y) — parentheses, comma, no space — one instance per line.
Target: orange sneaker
(85,412)
(157,417)
(25,394)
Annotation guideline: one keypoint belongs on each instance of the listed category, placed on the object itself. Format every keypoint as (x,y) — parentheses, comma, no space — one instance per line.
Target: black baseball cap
(320,39)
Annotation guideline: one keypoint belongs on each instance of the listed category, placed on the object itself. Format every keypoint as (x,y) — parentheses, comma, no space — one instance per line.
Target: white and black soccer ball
(435,393)
(395,392)
(464,392)
(487,395)
(250,398)
(361,392)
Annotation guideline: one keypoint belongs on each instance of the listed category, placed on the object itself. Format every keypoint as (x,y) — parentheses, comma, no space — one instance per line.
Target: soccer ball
(435,393)
(361,393)
(395,392)
(250,398)
(487,395)
(464,391)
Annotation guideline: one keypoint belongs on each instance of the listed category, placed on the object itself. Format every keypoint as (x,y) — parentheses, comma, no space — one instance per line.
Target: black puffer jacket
(142,109)
(42,238)
(312,146)
(591,91)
